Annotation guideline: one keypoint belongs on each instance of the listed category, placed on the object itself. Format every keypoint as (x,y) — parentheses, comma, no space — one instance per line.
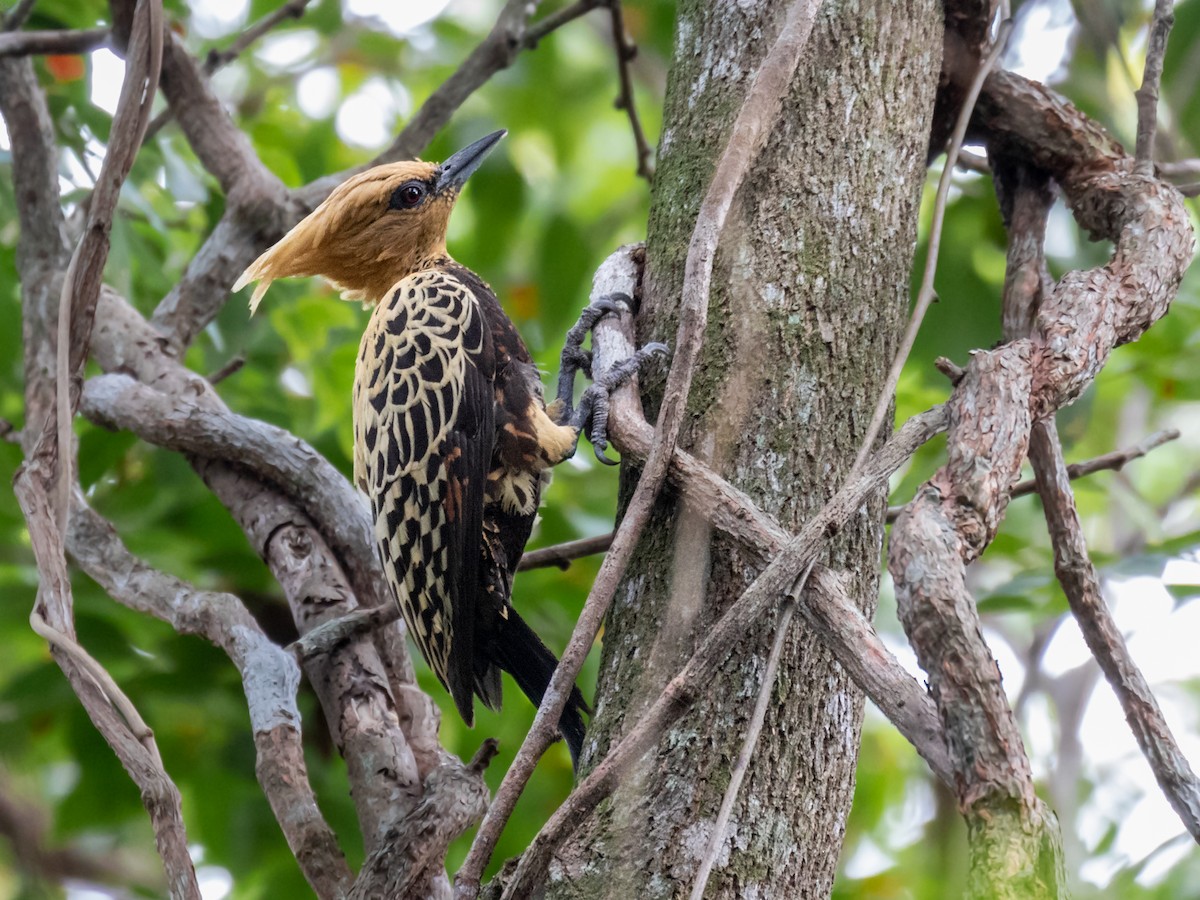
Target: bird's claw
(574,358)
(592,415)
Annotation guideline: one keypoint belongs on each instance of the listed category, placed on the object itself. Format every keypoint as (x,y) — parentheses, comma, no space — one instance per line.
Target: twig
(68,645)
(29,43)
(973,162)
(1115,460)
(561,555)
(926,294)
(17,16)
(81,287)
(233,366)
(756,603)
(1082,586)
(626,50)
(787,611)
(325,637)
(218,59)
(1180,168)
(1147,94)
(758,114)
(556,20)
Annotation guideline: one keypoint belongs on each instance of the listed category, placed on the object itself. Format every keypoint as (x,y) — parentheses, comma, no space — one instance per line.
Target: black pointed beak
(458,168)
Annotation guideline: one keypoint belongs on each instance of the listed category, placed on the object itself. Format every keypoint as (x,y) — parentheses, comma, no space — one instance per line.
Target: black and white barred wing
(423,436)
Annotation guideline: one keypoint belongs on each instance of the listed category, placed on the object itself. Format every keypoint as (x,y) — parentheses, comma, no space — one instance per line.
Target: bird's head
(374,229)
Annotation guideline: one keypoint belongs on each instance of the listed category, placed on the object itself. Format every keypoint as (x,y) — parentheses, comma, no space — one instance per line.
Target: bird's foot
(574,358)
(592,416)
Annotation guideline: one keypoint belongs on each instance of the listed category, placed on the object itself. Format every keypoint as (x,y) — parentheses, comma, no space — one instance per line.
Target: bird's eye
(408,195)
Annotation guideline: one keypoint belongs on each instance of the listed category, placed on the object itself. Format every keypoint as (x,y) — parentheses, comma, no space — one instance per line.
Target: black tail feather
(521,653)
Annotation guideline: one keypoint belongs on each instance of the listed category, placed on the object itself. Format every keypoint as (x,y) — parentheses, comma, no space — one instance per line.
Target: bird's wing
(424,429)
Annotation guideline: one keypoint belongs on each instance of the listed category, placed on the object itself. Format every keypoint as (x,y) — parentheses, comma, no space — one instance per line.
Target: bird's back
(450,428)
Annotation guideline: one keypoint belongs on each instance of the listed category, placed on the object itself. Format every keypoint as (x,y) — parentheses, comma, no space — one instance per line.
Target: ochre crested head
(374,229)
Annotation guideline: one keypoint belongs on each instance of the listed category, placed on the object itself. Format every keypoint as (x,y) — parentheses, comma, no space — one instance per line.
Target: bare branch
(216,59)
(1082,586)
(42,246)
(324,638)
(557,19)
(29,43)
(136,752)
(18,15)
(926,294)
(222,148)
(626,50)
(269,676)
(1147,94)
(1114,460)
(81,287)
(560,555)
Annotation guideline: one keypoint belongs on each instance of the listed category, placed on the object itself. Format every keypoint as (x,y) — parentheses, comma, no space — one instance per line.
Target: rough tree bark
(809,293)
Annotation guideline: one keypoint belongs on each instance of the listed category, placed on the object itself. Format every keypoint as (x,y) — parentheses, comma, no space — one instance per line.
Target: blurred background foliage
(328,91)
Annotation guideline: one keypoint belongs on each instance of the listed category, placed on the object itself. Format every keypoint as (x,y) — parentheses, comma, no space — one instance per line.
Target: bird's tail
(521,653)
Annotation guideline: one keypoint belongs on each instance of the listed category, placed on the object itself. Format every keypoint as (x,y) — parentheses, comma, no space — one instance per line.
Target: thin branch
(758,114)
(561,555)
(787,611)
(81,287)
(544,26)
(1182,168)
(30,43)
(1114,460)
(1147,94)
(626,50)
(1082,586)
(223,149)
(926,294)
(18,15)
(322,639)
(67,645)
(973,162)
(218,59)
(233,366)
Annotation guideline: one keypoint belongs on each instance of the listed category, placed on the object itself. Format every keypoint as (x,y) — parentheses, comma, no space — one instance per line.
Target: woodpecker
(452,437)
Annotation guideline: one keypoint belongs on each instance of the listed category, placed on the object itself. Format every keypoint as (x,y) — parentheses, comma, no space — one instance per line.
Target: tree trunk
(810,291)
